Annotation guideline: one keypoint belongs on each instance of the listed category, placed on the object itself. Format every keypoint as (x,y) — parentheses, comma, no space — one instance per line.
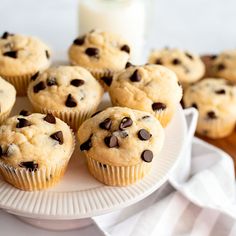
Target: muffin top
(7,96)
(187,66)
(98,50)
(121,137)
(212,97)
(224,65)
(150,88)
(68,88)
(34,141)
(21,55)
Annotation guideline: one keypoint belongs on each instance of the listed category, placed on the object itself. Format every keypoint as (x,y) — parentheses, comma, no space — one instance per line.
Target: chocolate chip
(94,114)
(24,113)
(145,117)
(221,66)
(50,119)
(22,123)
(34,76)
(194,105)
(58,136)
(125,122)
(128,64)
(1,152)
(79,41)
(107,80)
(51,81)
(47,54)
(6,34)
(211,115)
(111,141)
(213,57)
(12,54)
(144,135)
(156,106)
(147,155)
(220,91)
(87,144)
(70,101)
(176,61)
(92,52)
(135,77)
(189,55)
(29,165)
(77,82)
(38,87)
(158,61)
(106,124)
(125,48)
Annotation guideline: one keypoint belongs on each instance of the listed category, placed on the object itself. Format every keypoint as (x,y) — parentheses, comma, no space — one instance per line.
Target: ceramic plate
(79,195)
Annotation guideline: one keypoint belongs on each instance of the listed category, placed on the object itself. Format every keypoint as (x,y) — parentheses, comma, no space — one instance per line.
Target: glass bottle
(125,17)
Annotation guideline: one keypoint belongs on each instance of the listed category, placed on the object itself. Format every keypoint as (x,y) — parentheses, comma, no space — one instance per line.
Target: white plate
(79,195)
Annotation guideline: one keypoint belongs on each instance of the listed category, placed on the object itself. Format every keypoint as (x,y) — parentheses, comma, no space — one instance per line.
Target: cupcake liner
(34,180)
(98,74)
(165,116)
(20,82)
(117,175)
(73,118)
(217,128)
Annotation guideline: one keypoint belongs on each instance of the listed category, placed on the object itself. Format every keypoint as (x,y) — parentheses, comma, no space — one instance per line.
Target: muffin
(7,99)
(215,100)
(188,66)
(102,53)
(68,92)
(224,65)
(34,150)
(21,57)
(120,144)
(151,88)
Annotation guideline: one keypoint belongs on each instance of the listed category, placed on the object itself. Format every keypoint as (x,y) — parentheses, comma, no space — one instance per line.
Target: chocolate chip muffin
(7,99)
(20,58)
(34,150)
(120,144)
(188,66)
(102,53)
(215,100)
(151,88)
(68,92)
(224,65)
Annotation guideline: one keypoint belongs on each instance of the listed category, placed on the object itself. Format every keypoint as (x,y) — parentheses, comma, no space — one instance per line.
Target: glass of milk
(125,17)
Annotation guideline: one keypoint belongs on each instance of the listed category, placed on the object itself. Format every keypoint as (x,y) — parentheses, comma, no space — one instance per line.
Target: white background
(198,25)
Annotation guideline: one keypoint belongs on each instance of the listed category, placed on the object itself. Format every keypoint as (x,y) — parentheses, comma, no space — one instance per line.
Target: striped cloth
(203,205)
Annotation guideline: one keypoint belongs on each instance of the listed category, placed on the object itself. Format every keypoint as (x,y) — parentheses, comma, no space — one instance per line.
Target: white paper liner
(73,118)
(20,83)
(117,175)
(43,178)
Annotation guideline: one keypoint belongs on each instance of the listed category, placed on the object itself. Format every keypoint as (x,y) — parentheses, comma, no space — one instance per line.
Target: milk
(124,17)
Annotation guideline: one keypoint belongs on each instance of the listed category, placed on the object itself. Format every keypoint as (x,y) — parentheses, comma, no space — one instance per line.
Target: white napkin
(203,204)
